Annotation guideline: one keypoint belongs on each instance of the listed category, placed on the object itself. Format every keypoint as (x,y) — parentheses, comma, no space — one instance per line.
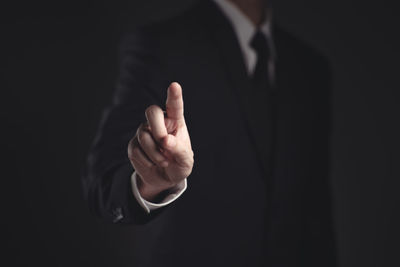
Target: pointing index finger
(174,102)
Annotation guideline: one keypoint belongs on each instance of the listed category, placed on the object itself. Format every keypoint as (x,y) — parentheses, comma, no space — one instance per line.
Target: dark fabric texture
(240,209)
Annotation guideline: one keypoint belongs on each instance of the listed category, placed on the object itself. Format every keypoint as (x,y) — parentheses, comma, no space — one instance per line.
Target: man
(257,118)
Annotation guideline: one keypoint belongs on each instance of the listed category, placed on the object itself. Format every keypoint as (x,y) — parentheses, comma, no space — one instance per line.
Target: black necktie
(258,104)
(262,111)
(260,76)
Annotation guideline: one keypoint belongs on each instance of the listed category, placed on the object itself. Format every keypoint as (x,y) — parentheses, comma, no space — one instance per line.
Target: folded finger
(155,119)
(151,148)
(138,157)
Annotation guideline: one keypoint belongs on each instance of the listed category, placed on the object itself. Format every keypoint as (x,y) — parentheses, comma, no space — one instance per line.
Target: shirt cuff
(148,206)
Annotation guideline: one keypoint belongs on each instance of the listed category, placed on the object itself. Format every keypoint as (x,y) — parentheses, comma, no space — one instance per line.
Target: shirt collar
(242,25)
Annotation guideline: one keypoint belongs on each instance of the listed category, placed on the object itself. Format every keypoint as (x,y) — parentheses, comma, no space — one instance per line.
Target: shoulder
(300,61)
(165,32)
(291,46)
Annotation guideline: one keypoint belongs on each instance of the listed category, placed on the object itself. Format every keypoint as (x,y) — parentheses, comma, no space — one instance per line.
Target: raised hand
(160,152)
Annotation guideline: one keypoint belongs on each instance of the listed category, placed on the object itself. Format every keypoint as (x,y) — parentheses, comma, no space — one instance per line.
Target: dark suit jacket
(231,214)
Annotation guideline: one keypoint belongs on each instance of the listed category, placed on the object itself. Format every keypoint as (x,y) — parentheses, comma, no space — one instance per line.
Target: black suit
(233,213)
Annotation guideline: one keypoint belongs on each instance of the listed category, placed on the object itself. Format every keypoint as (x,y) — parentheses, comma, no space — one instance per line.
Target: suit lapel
(228,45)
(292,100)
(225,38)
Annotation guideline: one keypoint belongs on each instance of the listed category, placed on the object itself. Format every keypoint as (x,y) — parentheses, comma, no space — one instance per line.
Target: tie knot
(259,43)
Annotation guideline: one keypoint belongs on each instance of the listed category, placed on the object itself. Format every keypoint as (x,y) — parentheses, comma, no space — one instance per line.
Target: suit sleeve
(107,177)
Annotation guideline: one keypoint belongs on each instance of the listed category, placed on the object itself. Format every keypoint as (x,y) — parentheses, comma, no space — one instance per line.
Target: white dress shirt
(245,31)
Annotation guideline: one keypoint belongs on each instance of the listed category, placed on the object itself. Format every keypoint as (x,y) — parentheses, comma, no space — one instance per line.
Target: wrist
(150,192)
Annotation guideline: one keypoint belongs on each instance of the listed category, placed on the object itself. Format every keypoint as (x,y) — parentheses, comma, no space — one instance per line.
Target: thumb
(180,154)
(169,142)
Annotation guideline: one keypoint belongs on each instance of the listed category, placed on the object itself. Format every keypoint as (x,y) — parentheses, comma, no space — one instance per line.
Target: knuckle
(158,158)
(190,162)
(145,140)
(131,143)
(134,153)
(131,154)
(155,156)
(187,171)
(142,135)
(190,158)
(141,127)
(131,147)
(148,164)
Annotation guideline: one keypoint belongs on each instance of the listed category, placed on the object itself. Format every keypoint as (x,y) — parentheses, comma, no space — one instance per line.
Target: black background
(58,67)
